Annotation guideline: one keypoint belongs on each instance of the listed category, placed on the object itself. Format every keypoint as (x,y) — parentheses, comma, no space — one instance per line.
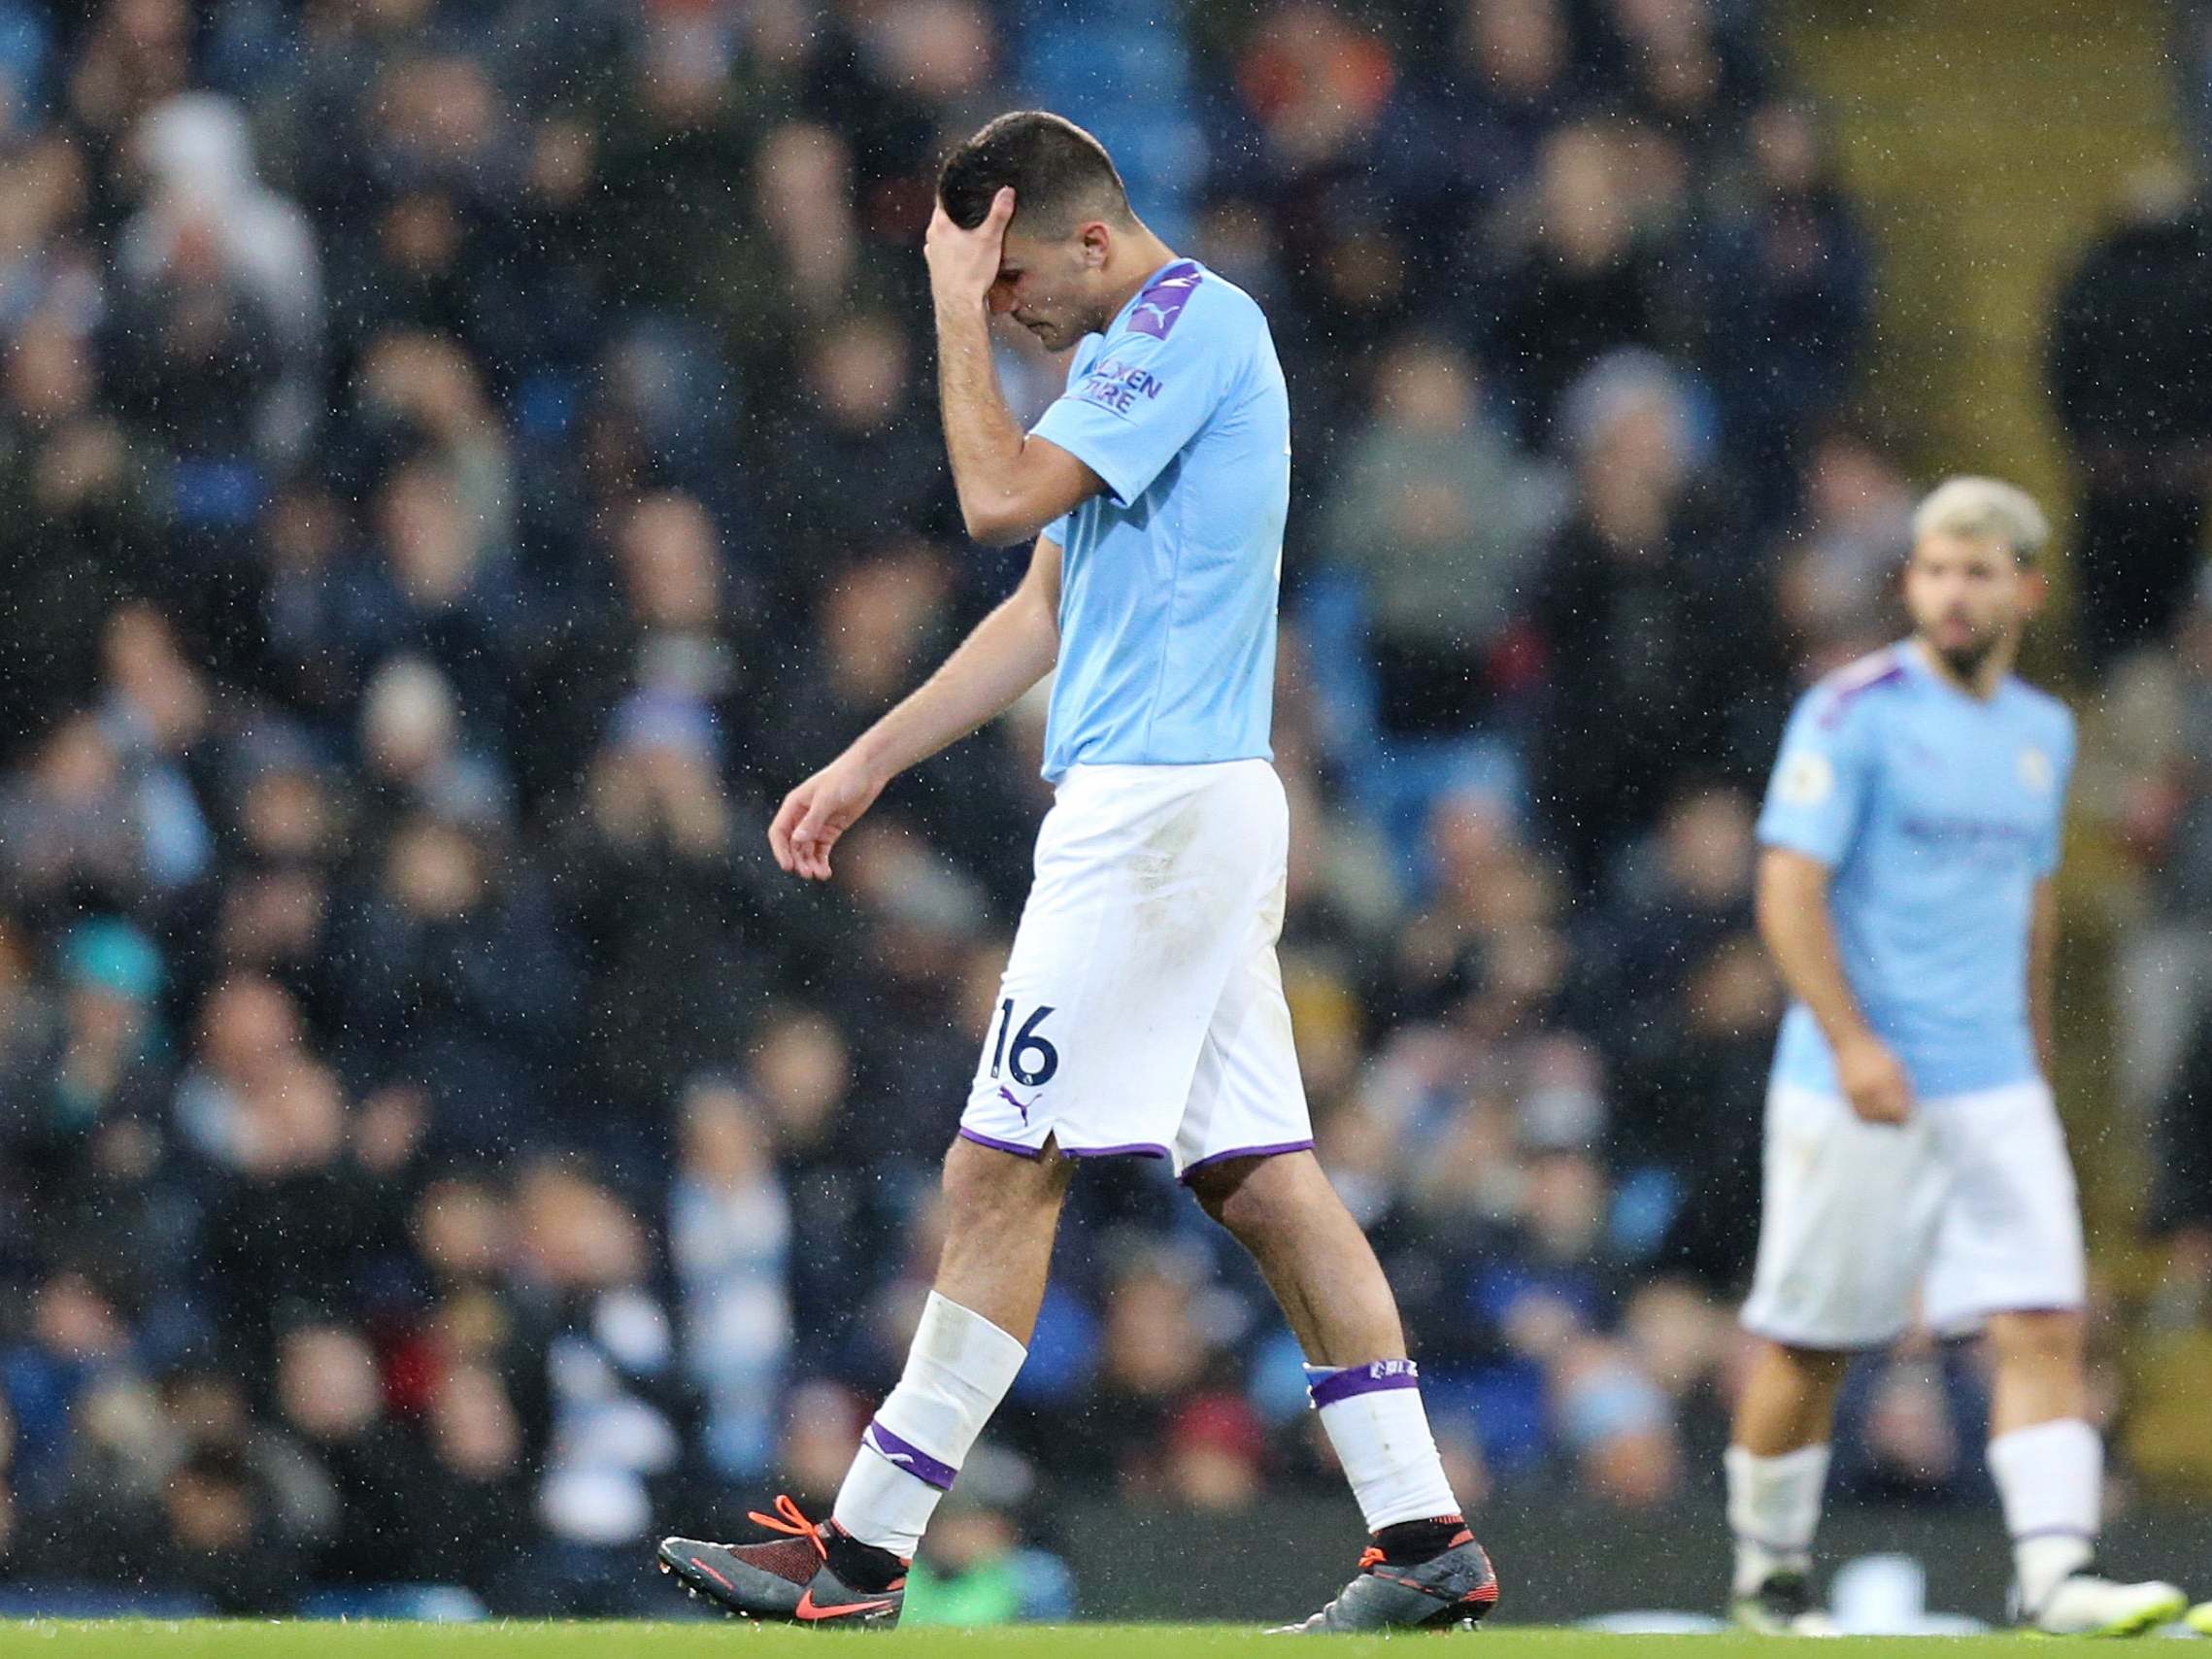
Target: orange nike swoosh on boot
(809,1610)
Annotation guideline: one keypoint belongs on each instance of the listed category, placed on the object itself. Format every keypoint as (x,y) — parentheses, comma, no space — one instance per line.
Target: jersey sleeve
(2050,848)
(1821,781)
(1144,396)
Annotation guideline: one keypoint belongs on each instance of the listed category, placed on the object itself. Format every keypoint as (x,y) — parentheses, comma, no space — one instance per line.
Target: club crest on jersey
(2037,770)
(1806,779)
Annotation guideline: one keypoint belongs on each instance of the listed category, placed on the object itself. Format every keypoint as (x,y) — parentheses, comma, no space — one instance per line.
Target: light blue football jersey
(1938,815)
(1168,578)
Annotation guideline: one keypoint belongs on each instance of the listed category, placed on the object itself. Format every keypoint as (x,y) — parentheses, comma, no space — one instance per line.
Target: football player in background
(1910,837)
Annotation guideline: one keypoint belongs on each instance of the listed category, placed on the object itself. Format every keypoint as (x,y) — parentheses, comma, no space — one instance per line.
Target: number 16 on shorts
(1030,1057)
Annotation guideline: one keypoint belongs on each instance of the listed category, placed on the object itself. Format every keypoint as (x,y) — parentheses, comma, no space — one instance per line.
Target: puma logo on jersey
(1160,304)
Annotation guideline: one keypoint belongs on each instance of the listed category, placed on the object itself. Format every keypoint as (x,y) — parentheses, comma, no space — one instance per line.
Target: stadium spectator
(599,1380)
(330,1395)
(1836,588)
(1583,281)
(70,831)
(296,1208)
(730,1233)
(1791,300)
(1632,602)
(2151,778)
(2182,1199)
(217,1539)
(472,1523)
(461,976)
(207,213)
(1461,135)
(1441,520)
(2131,349)
(981,1575)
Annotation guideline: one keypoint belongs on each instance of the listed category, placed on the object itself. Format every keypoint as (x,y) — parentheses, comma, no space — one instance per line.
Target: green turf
(50,1638)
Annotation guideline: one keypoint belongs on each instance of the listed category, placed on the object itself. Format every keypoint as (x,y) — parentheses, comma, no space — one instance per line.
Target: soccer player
(1911,833)
(1142,1012)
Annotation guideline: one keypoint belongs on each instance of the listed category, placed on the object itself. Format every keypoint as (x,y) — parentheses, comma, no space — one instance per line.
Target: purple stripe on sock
(2082,1533)
(1030,1152)
(1139,1150)
(1190,1170)
(1364,1379)
(909,1457)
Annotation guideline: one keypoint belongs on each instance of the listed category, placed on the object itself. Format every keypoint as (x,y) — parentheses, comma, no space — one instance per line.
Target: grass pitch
(51,1638)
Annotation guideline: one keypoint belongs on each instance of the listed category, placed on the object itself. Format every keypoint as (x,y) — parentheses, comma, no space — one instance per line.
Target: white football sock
(2051,1478)
(1374,1418)
(957,1373)
(1774,1509)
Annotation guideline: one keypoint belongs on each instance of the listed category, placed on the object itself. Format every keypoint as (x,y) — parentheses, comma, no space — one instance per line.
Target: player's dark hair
(1059,172)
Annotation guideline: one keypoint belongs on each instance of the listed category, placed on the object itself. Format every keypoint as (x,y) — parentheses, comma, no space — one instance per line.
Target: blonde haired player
(1911,835)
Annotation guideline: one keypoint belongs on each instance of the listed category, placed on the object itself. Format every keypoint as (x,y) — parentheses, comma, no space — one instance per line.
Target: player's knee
(1255,1200)
(1215,1191)
(988,1190)
(1812,1367)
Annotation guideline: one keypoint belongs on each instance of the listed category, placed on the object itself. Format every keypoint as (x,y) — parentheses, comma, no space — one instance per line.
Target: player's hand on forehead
(964,263)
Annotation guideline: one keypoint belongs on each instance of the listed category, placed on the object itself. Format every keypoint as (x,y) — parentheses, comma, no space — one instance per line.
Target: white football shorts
(1971,1204)
(1142,1010)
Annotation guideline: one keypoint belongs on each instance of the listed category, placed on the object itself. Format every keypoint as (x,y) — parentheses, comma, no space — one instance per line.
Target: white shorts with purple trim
(1142,1010)
(1967,1210)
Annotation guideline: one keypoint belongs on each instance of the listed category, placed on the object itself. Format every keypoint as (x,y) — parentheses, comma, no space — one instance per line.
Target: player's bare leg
(1788,1400)
(1314,1259)
(2037,1370)
(1425,1567)
(2049,1467)
(1003,1212)
(1777,1465)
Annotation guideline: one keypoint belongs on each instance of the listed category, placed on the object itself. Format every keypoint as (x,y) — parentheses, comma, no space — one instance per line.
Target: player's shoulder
(1852,692)
(2038,710)
(1186,299)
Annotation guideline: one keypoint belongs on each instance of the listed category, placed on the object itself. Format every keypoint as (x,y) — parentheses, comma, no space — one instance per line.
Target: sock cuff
(2049,1479)
(949,1333)
(962,1356)
(1774,1503)
(1347,1382)
(2040,1440)
(1781,1467)
(965,1345)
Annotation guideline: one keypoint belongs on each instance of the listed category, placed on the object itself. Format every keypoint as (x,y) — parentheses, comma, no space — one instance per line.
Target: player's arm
(1011,485)
(1006,654)
(2043,914)
(1814,811)
(1799,930)
(2043,970)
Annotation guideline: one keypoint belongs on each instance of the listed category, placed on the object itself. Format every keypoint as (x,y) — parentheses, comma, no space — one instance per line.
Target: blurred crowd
(461,470)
